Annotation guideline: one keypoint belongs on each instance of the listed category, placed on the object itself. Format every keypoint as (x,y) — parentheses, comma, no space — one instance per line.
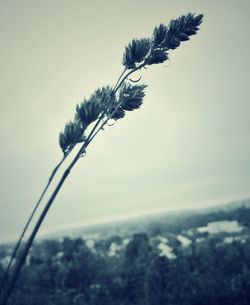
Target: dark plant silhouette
(105,104)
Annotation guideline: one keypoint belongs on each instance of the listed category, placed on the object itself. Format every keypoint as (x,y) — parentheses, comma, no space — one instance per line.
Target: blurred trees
(74,271)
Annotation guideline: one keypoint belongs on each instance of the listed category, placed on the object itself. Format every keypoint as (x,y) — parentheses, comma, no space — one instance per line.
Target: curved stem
(93,133)
(19,264)
(18,244)
(124,78)
(119,79)
(6,294)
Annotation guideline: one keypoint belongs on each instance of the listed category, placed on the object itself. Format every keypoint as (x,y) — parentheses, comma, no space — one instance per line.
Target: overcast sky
(188,146)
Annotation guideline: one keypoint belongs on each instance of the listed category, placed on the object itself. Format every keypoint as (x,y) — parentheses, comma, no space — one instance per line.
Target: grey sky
(187,146)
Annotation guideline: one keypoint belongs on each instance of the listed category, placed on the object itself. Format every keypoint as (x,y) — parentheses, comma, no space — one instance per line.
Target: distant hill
(142,223)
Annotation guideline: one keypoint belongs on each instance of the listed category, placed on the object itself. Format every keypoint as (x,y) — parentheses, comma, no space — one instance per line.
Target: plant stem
(119,79)
(20,262)
(22,258)
(6,294)
(179,25)
(119,104)
(18,244)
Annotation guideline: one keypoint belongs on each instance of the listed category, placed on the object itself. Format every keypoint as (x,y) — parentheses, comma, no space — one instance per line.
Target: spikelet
(72,134)
(136,52)
(89,110)
(159,35)
(131,96)
(157,56)
(177,31)
(116,113)
(154,50)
